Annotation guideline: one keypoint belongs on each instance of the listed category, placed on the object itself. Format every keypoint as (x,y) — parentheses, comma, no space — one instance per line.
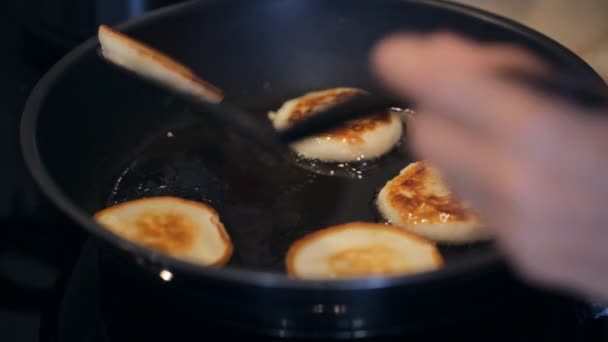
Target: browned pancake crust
(214,93)
(170,232)
(421,206)
(295,247)
(350,131)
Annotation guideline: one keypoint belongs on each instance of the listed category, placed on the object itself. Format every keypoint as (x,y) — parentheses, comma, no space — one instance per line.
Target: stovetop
(49,272)
(80,312)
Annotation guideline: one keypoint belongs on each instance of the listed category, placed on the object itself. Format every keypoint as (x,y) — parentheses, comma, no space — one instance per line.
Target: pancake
(361,249)
(144,60)
(184,229)
(358,140)
(420,201)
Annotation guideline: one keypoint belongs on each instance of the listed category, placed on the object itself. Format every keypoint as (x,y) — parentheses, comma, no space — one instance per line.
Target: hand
(534,168)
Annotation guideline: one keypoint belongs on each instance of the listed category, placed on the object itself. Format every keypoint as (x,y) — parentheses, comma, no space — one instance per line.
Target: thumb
(393,59)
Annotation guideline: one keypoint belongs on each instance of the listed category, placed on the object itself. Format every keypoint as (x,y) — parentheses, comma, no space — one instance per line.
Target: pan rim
(158,262)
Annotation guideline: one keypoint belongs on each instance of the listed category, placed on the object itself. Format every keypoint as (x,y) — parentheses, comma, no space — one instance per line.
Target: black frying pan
(92,136)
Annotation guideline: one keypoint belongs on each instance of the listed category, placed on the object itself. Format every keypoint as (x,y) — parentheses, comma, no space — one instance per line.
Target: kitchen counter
(580,26)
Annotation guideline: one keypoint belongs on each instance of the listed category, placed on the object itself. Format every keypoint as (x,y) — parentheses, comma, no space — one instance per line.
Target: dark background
(38,246)
(19,227)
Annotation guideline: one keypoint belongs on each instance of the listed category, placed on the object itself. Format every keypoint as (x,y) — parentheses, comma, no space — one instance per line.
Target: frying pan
(92,136)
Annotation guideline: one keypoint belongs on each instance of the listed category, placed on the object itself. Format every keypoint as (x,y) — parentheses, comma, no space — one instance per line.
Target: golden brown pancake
(419,200)
(184,229)
(360,139)
(361,249)
(143,59)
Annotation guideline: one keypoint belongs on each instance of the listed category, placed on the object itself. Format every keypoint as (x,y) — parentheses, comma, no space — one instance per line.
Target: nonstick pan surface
(93,136)
(266,203)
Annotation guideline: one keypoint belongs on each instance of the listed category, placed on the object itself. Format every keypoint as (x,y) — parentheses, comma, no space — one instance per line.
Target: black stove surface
(79,312)
(50,281)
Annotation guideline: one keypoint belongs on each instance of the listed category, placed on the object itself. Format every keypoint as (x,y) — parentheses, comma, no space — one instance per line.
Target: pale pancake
(419,200)
(361,139)
(144,60)
(184,229)
(361,249)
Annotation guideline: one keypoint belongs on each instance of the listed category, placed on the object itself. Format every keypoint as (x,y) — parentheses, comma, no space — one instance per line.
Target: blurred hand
(534,168)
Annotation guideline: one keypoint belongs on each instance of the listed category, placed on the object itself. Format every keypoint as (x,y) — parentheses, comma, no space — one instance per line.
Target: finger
(451,76)
(536,216)
(537,212)
(412,63)
(516,202)
(573,146)
(477,171)
(500,182)
(457,87)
